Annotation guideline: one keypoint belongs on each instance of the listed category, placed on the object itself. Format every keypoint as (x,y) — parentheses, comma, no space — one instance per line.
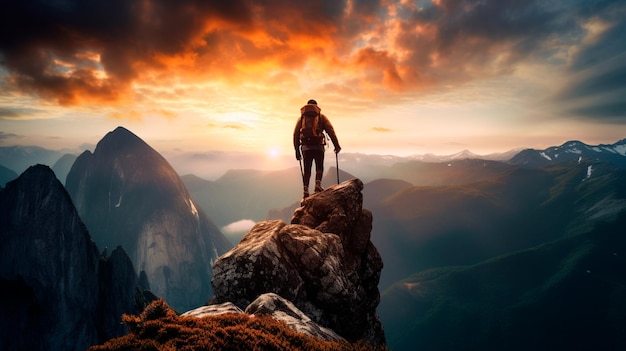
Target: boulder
(324,263)
(283,310)
(213,310)
(273,305)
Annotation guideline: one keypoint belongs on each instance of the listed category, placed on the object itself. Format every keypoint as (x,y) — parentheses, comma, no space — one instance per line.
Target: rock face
(273,305)
(117,292)
(128,195)
(281,309)
(324,263)
(57,292)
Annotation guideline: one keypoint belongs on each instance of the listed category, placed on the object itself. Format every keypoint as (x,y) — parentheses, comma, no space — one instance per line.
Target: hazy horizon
(213,164)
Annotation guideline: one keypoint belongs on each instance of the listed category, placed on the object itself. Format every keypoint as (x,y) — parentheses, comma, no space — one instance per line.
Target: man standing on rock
(308,135)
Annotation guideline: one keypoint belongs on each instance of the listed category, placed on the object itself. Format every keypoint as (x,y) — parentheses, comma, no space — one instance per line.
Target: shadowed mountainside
(127,194)
(564,295)
(63,166)
(58,293)
(426,227)
(6,175)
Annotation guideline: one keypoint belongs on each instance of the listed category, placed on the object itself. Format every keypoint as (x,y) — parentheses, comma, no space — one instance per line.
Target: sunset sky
(394,77)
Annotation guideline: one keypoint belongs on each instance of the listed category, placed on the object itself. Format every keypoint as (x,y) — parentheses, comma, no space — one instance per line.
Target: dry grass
(159,328)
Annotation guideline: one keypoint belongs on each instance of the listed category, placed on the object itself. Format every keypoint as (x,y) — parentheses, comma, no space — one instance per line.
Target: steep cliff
(55,291)
(324,263)
(128,194)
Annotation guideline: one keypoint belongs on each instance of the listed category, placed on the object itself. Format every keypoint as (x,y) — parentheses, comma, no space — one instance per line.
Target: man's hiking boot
(306,192)
(318,186)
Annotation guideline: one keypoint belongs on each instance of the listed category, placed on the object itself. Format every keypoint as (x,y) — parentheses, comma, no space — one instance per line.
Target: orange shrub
(158,328)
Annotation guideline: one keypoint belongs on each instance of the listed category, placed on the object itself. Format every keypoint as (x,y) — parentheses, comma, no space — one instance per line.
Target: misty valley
(522,251)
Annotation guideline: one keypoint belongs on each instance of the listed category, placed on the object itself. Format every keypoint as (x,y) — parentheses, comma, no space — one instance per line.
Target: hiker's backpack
(311,131)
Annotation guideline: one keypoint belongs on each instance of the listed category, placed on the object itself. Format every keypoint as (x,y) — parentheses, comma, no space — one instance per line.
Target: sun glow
(273,152)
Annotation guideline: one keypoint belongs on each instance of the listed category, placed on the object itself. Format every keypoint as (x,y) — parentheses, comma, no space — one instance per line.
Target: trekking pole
(337,163)
(301,170)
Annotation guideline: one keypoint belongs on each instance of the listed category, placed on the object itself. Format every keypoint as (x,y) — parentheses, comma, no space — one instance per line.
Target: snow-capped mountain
(466,154)
(573,150)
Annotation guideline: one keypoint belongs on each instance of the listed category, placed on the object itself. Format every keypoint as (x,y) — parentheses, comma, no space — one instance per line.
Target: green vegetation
(160,328)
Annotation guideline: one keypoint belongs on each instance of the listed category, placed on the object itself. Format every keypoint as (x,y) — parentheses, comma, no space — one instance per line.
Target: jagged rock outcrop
(273,305)
(213,310)
(117,291)
(128,194)
(57,294)
(324,263)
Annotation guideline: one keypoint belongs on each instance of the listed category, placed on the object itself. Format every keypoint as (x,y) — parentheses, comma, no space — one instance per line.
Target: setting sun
(273,152)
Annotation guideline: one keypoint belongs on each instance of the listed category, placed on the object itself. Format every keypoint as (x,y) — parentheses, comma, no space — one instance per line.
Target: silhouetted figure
(308,135)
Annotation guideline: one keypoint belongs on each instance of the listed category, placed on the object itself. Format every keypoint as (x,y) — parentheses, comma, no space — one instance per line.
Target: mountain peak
(573,150)
(324,263)
(128,194)
(621,142)
(119,139)
(119,133)
(573,143)
(464,155)
(40,179)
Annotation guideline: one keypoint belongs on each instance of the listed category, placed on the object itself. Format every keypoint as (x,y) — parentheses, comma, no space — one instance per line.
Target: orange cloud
(234,126)
(382,129)
(78,53)
(139,115)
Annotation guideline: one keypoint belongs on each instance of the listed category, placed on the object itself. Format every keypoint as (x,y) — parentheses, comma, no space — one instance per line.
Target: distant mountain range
(368,167)
(573,150)
(422,227)
(457,235)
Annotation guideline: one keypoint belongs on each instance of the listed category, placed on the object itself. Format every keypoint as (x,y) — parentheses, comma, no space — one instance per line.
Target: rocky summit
(323,262)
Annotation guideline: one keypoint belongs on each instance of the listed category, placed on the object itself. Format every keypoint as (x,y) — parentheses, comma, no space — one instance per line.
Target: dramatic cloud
(79,51)
(353,52)
(597,73)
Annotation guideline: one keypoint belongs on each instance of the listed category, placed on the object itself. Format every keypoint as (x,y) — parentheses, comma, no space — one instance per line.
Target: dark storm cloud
(77,51)
(600,80)
(48,46)
(612,111)
(450,42)
(460,39)
(597,83)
